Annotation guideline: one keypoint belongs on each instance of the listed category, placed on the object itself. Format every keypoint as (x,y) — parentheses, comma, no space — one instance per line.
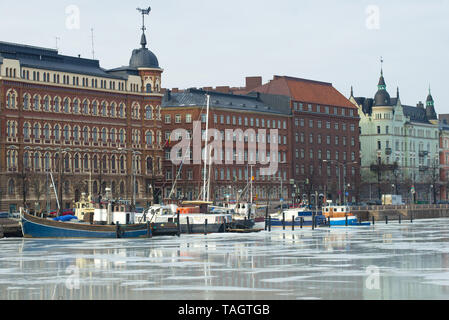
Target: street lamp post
(133,166)
(343,165)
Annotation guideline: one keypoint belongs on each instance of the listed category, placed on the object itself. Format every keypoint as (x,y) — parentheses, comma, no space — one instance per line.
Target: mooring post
(205,227)
(329,221)
(117,230)
(301,222)
(269,223)
(346,220)
(374,220)
(411,217)
(313,221)
(283,220)
(400,219)
(293,223)
(386,219)
(188,225)
(179,224)
(149,233)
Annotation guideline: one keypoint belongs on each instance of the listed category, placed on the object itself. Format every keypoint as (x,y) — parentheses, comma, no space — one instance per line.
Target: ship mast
(205,149)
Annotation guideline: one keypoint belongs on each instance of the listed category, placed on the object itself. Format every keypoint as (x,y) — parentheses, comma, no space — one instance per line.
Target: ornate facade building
(89,127)
(400,146)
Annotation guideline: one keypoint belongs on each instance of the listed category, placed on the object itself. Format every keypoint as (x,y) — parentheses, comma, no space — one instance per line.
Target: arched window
(47,161)
(86,162)
(36,103)
(57,132)
(66,105)
(95,187)
(66,133)
(113,163)
(148,113)
(149,138)
(26,160)
(57,105)
(26,101)
(95,108)
(149,164)
(76,106)
(47,103)
(148,88)
(122,136)
(95,162)
(95,134)
(77,162)
(86,134)
(104,109)
(36,161)
(113,138)
(104,135)
(122,163)
(36,130)
(47,132)
(113,110)
(26,130)
(67,162)
(76,133)
(85,107)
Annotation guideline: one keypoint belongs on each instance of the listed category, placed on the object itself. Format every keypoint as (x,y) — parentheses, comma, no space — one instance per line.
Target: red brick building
(324,143)
(325,137)
(227,112)
(68,116)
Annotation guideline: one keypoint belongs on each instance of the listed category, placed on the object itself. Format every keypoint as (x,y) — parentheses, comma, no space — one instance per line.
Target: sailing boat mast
(205,148)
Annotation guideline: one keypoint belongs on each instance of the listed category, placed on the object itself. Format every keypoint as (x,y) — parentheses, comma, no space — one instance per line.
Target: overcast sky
(212,43)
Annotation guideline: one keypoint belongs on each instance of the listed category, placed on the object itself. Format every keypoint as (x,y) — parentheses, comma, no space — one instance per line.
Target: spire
(397,93)
(352,91)
(381,85)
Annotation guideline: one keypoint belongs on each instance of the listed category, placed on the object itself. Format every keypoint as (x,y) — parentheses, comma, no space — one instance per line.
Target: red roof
(306,91)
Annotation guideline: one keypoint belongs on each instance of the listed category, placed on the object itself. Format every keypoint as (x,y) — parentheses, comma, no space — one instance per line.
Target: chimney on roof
(175,90)
(253,82)
(420,105)
(168,94)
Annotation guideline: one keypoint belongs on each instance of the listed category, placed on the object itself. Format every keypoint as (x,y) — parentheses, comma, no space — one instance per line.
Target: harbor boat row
(117,220)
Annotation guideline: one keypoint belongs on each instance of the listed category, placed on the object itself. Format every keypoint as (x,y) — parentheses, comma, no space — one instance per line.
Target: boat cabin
(191,207)
(336,211)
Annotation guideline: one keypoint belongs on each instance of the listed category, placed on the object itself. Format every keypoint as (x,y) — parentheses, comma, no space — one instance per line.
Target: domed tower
(146,62)
(430,109)
(382,97)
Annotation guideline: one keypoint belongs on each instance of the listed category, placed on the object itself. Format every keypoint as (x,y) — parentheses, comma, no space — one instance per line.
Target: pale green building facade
(399,146)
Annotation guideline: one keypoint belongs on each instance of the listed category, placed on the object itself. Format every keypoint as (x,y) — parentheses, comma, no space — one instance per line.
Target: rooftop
(50,59)
(197,98)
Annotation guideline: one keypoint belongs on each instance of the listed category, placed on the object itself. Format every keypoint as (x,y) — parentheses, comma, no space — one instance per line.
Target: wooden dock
(10,228)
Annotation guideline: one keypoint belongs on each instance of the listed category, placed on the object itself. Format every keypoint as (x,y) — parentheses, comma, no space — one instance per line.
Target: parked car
(374,203)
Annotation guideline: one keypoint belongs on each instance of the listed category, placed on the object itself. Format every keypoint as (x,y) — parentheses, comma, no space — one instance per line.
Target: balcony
(388,151)
(423,153)
(423,168)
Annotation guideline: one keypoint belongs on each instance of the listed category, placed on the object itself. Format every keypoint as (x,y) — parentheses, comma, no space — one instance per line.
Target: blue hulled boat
(341,216)
(35,227)
(294,216)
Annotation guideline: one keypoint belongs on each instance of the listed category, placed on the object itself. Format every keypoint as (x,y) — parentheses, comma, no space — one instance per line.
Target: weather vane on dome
(144,12)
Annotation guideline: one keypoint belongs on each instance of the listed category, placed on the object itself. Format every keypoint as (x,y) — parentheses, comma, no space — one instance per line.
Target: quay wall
(406,212)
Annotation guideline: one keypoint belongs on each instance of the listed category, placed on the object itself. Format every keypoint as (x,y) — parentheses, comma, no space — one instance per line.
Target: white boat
(296,216)
(194,217)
